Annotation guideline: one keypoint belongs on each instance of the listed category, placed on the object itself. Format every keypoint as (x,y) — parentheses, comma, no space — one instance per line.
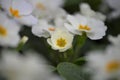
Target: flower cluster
(58,26)
(65,35)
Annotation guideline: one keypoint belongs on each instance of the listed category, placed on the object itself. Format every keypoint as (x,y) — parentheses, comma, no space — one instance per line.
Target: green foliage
(71,71)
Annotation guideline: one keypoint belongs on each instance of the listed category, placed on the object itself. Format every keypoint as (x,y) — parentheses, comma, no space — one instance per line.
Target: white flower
(46,8)
(8,31)
(24,67)
(60,18)
(60,40)
(105,64)
(46,3)
(86,10)
(43,29)
(114,4)
(20,10)
(94,29)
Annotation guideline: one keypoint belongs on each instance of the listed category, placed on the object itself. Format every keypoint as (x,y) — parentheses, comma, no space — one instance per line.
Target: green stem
(80,41)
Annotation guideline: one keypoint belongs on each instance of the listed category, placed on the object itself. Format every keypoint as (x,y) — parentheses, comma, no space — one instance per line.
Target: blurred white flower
(20,10)
(9,31)
(47,8)
(60,18)
(43,29)
(115,5)
(94,29)
(25,67)
(60,40)
(106,64)
(86,10)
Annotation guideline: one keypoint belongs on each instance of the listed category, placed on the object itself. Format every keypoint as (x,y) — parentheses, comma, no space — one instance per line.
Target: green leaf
(70,71)
(80,61)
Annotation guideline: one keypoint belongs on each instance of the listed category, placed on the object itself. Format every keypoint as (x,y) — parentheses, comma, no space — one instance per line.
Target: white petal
(86,10)
(49,41)
(22,6)
(100,16)
(71,29)
(36,30)
(5,4)
(62,50)
(98,29)
(41,29)
(27,20)
(72,20)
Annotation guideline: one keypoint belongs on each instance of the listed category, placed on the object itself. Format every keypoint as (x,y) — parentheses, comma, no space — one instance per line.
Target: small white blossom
(43,29)
(94,29)
(60,18)
(60,40)
(25,67)
(20,10)
(46,9)
(106,64)
(9,31)
(86,10)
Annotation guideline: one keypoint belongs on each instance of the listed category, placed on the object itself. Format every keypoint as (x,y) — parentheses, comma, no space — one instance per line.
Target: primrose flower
(94,29)
(46,8)
(105,64)
(60,18)
(43,29)
(20,10)
(8,31)
(60,40)
(86,10)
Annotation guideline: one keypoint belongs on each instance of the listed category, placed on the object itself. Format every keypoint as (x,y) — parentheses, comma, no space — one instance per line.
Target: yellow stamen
(112,66)
(14,12)
(3,31)
(51,29)
(61,42)
(81,27)
(41,6)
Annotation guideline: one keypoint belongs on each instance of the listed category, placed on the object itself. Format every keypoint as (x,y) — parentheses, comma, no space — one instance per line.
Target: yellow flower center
(51,29)
(41,6)
(112,66)
(61,42)
(3,31)
(14,12)
(81,27)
